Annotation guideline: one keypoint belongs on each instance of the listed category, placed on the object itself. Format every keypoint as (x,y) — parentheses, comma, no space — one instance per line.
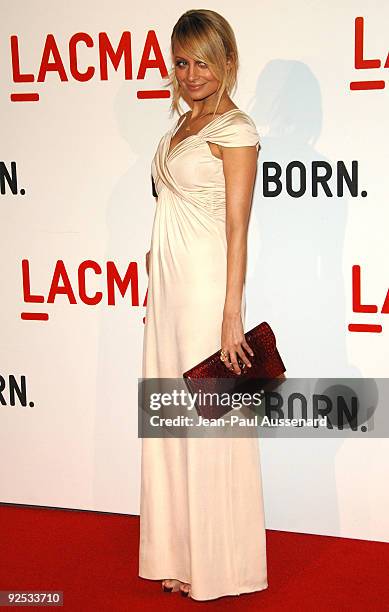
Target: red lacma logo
(102,52)
(363,63)
(77,292)
(365,308)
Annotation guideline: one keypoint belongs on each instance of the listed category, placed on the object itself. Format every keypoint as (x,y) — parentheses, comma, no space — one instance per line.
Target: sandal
(170,586)
(185,592)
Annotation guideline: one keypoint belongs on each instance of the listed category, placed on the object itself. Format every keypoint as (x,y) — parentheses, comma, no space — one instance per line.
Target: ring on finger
(223,355)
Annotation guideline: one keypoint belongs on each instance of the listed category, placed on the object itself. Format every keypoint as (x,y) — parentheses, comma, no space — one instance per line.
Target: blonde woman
(202,529)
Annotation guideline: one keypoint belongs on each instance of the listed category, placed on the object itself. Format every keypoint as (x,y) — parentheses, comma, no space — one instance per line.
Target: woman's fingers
(232,355)
(244,357)
(247,347)
(225,358)
(234,361)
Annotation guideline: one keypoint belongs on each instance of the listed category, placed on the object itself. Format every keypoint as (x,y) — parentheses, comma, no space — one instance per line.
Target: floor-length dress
(201,507)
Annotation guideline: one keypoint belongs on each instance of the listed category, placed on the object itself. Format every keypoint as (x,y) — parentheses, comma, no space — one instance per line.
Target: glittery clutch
(212,376)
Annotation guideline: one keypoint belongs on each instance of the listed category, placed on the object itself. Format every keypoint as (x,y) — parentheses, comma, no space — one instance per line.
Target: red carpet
(93,559)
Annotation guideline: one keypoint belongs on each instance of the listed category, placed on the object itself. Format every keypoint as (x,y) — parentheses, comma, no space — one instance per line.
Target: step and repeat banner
(84,102)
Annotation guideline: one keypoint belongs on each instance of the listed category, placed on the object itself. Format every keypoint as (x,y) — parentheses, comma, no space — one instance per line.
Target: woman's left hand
(234,343)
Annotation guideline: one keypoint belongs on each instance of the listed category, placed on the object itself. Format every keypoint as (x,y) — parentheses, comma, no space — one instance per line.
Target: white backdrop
(83,153)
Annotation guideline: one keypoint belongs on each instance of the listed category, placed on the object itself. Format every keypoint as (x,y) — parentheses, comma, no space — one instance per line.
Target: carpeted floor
(93,558)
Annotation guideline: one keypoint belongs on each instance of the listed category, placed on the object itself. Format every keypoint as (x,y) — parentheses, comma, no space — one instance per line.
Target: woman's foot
(171,586)
(185,589)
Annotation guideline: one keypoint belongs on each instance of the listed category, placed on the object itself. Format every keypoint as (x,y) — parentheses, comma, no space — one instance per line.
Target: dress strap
(232,130)
(179,122)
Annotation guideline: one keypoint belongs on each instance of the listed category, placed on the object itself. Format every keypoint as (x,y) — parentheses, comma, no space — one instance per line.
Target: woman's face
(195,78)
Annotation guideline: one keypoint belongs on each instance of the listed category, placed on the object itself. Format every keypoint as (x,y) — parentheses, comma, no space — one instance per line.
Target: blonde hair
(207,37)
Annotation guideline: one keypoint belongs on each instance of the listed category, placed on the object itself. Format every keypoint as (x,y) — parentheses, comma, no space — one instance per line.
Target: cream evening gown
(201,508)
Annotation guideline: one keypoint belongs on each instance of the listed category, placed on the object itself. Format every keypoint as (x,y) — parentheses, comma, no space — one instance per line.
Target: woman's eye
(181,62)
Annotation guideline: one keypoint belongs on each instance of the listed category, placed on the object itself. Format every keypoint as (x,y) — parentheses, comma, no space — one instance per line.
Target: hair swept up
(205,36)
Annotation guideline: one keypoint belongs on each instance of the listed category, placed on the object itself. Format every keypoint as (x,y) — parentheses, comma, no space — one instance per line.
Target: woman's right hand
(147,262)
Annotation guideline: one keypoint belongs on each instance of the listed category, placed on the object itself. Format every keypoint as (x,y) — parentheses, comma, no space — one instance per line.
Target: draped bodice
(190,170)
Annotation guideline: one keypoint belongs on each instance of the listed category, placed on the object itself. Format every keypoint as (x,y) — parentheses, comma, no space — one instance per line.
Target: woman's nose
(192,72)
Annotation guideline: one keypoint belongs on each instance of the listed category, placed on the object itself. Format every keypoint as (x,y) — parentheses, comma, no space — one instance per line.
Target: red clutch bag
(266,367)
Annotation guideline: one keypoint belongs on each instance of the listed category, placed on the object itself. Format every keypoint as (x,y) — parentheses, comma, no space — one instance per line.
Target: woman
(202,525)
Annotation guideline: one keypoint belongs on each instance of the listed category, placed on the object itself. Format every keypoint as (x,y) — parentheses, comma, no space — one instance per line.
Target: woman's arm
(239,167)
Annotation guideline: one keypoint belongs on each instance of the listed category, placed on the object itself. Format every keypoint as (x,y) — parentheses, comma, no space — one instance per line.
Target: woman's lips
(194,87)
